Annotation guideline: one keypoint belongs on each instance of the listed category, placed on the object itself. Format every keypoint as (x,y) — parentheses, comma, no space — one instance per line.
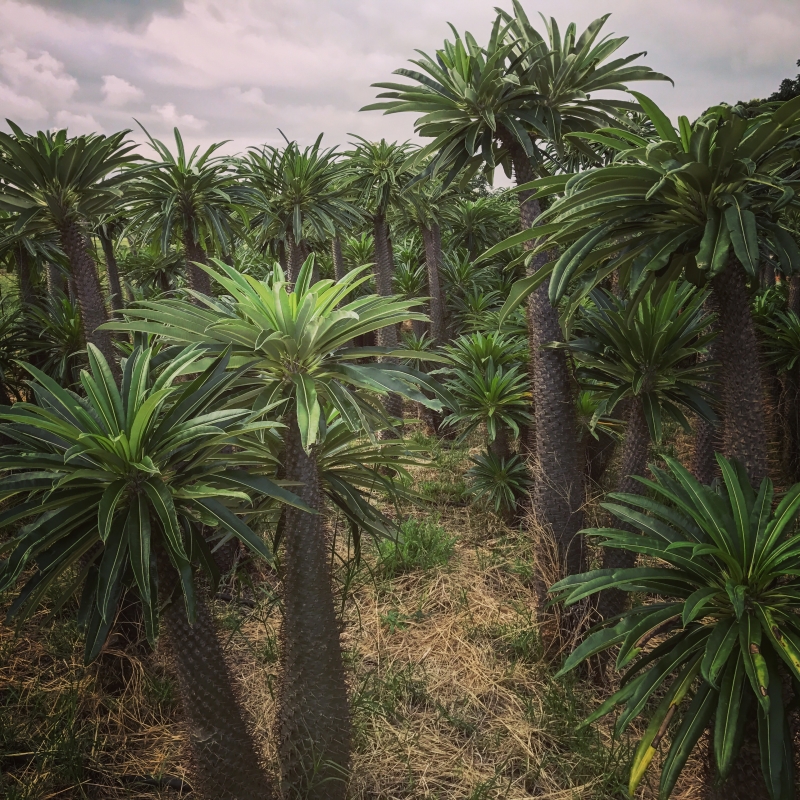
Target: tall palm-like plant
(425,204)
(699,200)
(297,344)
(380,175)
(303,191)
(121,482)
(714,642)
(192,197)
(477,224)
(68,183)
(501,105)
(106,232)
(644,360)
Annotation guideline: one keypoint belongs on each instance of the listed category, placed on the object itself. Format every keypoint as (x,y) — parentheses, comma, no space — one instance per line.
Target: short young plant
(499,481)
(721,630)
(496,397)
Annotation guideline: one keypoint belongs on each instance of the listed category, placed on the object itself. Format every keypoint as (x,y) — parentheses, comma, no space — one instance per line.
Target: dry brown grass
(451,696)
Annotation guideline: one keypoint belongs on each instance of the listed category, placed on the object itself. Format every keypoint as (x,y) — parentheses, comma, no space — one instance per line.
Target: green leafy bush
(498,481)
(420,544)
(712,646)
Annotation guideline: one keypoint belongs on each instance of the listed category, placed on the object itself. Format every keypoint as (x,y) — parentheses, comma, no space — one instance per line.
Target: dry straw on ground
(451,697)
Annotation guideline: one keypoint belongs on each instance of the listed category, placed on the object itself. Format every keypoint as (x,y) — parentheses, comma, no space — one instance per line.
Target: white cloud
(42,77)
(77,123)
(118,92)
(250,97)
(170,115)
(19,108)
(223,70)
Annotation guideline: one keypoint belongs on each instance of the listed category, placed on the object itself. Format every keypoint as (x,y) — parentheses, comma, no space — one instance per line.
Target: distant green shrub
(420,544)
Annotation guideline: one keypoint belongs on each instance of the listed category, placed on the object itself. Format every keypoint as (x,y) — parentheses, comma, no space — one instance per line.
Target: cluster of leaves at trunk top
(120,475)
(646,351)
(724,630)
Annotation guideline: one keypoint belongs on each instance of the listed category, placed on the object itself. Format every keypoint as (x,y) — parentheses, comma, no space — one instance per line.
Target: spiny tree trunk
(87,289)
(794,294)
(598,453)
(384,270)
(298,253)
(741,384)
(225,761)
(500,446)
(313,714)
(339,269)
(635,448)
(55,281)
(558,494)
(113,270)
(432,239)
(707,434)
(199,280)
(23,258)
(790,414)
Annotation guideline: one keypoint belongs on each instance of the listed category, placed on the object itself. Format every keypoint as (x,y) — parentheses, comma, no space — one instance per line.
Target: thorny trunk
(339,269)
(117,300)
(313,714)
(23,258)
(87,289)
(432,239)
(597,454)
(707,434)
(55,281)
(635,448)
(558,494)
(500,446)
(225,761)
(794,294)
(386,337)
(298,253)
(199,280)
(743,424)
(789,409)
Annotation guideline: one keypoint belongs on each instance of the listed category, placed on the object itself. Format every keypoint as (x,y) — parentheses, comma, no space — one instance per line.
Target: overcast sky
(241,69)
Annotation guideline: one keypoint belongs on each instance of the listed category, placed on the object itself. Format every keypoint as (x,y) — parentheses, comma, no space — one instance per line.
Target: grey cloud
(128,13)
(243,69)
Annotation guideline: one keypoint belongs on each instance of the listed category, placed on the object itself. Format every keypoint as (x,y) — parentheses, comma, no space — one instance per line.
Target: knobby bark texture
(199,280)
(432,239)
(707,436)
(55,281)
(113,271)
(339,269)
(313,714)
(794,294)
(500,446)
(744,432)
(87,289)
(386,337)
(789,411)
(23,259)
(558,494)
(635,448)
(224,759)
(298,253)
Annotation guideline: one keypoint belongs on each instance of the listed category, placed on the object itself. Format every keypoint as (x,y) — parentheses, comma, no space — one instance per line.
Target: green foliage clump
(420,544)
